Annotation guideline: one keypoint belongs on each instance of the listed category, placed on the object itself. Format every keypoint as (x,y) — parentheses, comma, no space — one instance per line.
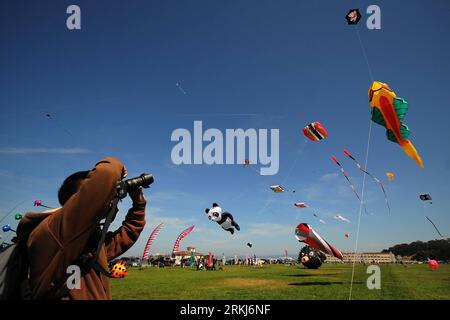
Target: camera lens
(144,180)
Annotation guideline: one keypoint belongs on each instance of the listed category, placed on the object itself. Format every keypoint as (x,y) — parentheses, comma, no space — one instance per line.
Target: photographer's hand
(137,196)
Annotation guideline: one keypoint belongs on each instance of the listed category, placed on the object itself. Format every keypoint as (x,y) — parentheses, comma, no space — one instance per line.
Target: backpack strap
(87,261)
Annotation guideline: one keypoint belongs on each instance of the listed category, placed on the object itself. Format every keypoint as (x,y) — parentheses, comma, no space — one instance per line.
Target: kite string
(365,55)
(365,166)
(10,211)
(299,152)
(360,212)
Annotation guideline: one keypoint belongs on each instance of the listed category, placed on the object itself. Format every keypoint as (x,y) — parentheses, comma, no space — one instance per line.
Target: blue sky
(110,88)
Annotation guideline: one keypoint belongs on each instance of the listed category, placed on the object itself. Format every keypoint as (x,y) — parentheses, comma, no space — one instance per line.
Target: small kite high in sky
(425,197)
(388,110)
(353,16)
(49,116)
(390,176)
(339,217)
(249,244)
(315,131)
(301,205)
(277,188)
(247,164)
(304,233)
(180,87)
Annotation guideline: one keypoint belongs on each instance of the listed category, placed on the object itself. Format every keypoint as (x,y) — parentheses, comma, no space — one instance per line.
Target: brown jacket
(57,238)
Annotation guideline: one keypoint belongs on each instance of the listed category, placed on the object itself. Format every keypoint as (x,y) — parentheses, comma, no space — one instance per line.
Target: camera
(124,186)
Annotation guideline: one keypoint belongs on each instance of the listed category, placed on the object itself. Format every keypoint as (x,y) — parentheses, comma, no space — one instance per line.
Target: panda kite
(224,219)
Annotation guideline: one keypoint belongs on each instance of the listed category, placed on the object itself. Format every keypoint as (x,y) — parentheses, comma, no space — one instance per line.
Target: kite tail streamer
(370,175)
(349,182)
(411,151)
(150,241)
(180,237)
(435,227)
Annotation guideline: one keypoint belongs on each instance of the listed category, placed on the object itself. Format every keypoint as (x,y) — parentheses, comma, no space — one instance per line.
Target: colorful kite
(374,178)
(277,188)
(353,16)
(119,270)
(7,228)
(180,237)
(311,258)
(18,216)
(304,233)
(315,131)
(348,179)
(388,110)
(301,205)
(246,163)
(38,203)
(150,240)
(390,176)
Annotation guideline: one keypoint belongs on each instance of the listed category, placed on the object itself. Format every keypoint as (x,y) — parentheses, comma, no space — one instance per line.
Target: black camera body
(124,186)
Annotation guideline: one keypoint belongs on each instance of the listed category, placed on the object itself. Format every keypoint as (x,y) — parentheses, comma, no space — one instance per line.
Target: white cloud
(329,177)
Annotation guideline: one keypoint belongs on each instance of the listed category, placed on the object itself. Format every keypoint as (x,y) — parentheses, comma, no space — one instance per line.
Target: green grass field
(412,282)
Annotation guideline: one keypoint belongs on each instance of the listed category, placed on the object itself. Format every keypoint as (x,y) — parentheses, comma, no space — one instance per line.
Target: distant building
(363,257)
(178,255)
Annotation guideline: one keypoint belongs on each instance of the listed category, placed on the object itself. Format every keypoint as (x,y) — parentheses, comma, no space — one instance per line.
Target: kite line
(365,166)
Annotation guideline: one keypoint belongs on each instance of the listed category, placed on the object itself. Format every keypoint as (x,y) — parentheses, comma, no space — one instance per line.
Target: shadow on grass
(313,275)
(322,283)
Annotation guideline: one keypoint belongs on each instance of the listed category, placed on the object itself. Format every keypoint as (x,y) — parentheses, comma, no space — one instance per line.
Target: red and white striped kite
(304,233)
(180,237)
(150,241)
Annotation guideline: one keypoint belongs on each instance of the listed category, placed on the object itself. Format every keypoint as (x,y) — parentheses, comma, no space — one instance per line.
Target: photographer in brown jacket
(55,239)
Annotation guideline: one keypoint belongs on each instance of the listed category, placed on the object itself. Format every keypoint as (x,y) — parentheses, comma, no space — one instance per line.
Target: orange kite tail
(411,151)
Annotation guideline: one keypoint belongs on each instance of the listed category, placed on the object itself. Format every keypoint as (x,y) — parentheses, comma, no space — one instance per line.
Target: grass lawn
(331,281)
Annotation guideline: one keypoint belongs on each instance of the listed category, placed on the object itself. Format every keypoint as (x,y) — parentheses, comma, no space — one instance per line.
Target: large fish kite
(388,110)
